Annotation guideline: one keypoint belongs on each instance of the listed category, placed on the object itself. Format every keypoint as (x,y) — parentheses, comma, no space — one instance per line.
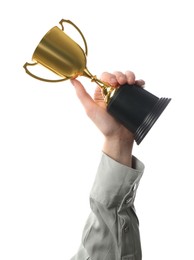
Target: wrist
(119,149)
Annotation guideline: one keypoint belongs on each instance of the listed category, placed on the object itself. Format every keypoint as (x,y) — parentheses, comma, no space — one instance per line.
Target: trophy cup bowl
(134,107)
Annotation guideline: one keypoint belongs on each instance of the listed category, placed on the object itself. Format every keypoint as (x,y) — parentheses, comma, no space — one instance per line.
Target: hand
(116,135)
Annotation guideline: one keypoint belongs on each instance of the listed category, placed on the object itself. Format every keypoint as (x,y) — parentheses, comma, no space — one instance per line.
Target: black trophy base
(136,109)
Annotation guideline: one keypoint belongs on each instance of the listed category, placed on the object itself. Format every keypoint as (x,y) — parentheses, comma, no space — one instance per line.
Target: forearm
(119,150)
(112,231)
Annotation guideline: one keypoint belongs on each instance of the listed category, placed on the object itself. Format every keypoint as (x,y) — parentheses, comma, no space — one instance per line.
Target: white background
(49,150)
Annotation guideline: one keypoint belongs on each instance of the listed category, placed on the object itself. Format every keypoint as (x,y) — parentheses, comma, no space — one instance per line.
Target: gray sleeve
(112,229)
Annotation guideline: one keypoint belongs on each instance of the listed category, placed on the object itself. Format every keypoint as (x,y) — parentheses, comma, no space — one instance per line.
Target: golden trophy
(134,107)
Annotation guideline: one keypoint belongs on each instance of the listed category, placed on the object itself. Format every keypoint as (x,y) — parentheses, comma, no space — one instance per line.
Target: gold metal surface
(62,55)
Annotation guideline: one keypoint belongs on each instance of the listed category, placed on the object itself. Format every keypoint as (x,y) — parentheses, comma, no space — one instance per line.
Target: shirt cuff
(114,180)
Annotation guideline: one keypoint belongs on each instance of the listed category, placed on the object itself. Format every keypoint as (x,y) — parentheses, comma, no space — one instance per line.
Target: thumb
(85,99)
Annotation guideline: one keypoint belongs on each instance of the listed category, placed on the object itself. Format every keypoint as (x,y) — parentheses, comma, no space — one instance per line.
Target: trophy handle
(68,21)
(36,77)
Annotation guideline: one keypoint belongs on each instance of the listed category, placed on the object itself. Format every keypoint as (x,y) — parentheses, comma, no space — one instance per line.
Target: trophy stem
(107,90)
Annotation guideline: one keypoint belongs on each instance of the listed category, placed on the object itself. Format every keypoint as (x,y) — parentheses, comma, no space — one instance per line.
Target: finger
(85,99)
(130,77)
(121,77)
(109,78)
(98,94)
(140,82)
